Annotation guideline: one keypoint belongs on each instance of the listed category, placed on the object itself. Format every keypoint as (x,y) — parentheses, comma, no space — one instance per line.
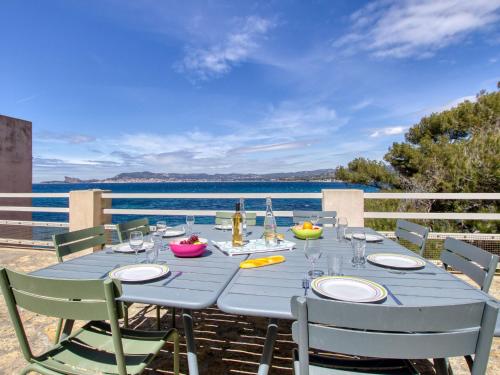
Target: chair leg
(58,331)
(158,315)
(125,316)
(176,353)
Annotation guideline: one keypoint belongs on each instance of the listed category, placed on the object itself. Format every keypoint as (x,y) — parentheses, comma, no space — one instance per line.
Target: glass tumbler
(358,244)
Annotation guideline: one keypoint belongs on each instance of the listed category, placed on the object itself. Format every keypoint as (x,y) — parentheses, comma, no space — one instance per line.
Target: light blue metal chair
(325,217)
(386,333)
(476,263)
(413,233)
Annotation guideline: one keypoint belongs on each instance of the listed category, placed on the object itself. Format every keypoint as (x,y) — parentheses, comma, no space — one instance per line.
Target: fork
(305,285)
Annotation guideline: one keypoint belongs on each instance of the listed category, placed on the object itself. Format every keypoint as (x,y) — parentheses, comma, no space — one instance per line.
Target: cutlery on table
(305,284)
(394,298)
(410,272)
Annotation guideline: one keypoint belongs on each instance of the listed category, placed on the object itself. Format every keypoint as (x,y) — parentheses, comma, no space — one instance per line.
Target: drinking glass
(161,226)
(136,242)
(152,251)
(312,250)
(341,229)
(335,264)
(226,224)
(358,244)
(190,223)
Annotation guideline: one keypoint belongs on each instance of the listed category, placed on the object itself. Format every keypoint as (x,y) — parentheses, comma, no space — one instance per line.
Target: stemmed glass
(341,228)
(314,219)
(136,241)
(312,250)
(190,223)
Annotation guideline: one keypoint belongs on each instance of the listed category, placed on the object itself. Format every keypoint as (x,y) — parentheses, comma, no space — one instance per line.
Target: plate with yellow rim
(396,261)
(135,273)
(349,289)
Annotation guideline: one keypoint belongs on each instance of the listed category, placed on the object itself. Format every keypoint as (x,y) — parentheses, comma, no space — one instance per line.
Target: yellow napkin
(260,262)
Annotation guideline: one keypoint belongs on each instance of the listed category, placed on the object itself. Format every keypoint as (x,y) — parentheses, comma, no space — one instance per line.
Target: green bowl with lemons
(307,234)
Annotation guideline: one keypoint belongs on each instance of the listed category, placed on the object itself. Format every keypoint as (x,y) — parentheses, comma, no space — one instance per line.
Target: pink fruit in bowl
(188,247)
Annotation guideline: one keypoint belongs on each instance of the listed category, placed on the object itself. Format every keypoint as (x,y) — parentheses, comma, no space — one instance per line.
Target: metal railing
(221,196)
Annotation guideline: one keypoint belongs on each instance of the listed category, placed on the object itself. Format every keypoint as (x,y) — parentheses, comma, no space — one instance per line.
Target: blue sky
(236,86)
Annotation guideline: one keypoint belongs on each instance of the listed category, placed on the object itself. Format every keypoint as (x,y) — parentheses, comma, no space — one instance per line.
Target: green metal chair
(413,233)
(221,215)
(325,217)
(476,263)
(73,242)
(96,348)
(124,229)
(385,333)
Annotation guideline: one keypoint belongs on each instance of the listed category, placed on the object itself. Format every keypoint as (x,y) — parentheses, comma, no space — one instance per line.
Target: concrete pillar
(86,209)
(15,172)
(349,203)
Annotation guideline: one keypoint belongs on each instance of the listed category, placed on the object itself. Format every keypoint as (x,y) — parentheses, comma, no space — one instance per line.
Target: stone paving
(227,344)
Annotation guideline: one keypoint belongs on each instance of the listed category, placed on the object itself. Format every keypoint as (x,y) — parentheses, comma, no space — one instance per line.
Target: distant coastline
(320,175)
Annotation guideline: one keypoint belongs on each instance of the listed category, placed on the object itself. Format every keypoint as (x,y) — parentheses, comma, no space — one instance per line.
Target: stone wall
(15,172)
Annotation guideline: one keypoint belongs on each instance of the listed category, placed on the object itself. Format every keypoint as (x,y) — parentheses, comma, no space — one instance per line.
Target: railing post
(348,203)
(86,209)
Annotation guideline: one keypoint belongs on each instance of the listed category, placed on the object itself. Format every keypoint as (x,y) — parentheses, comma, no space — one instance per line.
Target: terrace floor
(227,344)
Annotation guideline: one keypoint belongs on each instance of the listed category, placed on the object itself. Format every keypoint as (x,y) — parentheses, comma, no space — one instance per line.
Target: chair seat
(320,365)
(90,350)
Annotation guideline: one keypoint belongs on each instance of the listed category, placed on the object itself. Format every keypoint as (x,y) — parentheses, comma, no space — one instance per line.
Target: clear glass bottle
(237,227)
(269,224)
(243,219)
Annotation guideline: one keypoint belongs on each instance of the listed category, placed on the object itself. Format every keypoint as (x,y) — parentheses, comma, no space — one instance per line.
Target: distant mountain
(146,176)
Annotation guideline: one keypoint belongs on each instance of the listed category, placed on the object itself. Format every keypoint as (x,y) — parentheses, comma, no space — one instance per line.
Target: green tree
(456,150)
(368,172)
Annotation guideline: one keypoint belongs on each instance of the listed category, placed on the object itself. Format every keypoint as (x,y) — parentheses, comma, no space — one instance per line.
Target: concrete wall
(15,171)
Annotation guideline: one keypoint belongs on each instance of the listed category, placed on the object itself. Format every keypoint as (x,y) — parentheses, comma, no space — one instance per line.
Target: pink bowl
(187,251)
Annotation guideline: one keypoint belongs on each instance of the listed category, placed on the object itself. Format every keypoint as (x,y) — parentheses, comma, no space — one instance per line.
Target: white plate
(125,247)
(171,232)
(398,261)
(369,237)
(139,272)
(223,227)
(350,289)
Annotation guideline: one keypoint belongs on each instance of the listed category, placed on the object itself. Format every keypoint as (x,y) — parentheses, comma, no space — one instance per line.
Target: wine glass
(314,218)
(312,251)
(190,223)
(341,228)
(136,242)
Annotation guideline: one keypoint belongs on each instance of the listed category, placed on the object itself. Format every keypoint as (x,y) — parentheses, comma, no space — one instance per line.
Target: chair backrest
(478,264)
(411,232)
(124,229)
(61,298)
(325,217)
(251,217)
(78,240)
(384,331)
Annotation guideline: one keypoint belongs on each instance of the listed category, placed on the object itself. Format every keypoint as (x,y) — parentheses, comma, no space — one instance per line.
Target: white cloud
(416,28)
(391,130)
(455,102)
(203,63)
(71,138)
(362,105)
